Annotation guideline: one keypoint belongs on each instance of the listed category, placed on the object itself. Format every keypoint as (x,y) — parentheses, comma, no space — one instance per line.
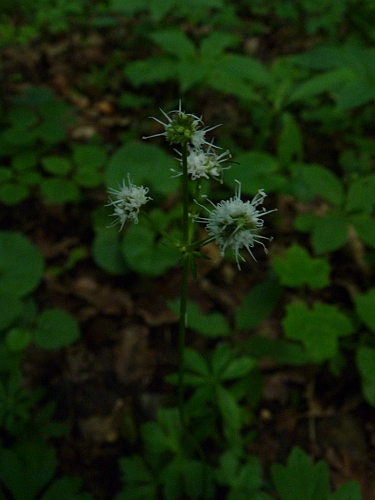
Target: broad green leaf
(191,72)
(366,365)
(174,41)
(330,232)
(297,268)
(56,165)
(318,328)
(89,156)
(361,194)
(348,491)
(148,71)
(257,305)
(356,92)
(195,362)
(365,308)
(17,339)
(238,368)
(290,143)
(220,358)
(279,350)
(55,328)
(21,264)
(159,8)
(229,409)
(211,325)
(326,82)
(244,68)
(59,190)
(255,170)
(11,307)
(146,164)
(299,479)
(12,193)
(144,254)
(365,227)
(107,254)
(34,462)
(323,183)
(214,44)
(66,487)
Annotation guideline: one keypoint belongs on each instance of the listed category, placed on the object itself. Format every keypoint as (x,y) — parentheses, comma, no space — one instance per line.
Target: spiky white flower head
(127,202)
(234,224)
(182,128)
(206,164)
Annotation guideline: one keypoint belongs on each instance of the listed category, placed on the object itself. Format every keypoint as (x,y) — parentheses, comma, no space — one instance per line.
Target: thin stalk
(184,282)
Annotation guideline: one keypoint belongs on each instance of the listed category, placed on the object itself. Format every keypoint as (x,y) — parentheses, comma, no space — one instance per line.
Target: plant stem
(184,282)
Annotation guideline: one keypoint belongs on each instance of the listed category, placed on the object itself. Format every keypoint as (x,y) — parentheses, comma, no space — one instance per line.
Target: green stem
(184,282)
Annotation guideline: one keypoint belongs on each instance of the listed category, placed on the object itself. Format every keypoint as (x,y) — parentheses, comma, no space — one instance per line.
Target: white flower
(127,202)
(234,224)
(206,164)
(182,128)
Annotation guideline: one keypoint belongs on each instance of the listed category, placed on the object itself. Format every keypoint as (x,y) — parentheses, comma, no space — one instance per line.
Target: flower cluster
(127,202)
(183,128)
(234,224)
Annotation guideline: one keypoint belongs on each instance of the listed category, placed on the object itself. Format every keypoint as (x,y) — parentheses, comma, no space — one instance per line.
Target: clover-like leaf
(318,328)
(297,268)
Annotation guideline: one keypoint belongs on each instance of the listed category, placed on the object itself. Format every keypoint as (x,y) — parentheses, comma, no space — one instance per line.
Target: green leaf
(326,82)
(174,41)
(322,182)
(211,325)
(144,254)
(59,190)
(230,411)
(55,328)
(245,68)
(257,305)
(66,487)
(318,328)
(56,165)
(365,308)
(348,491)
(300,479)
(17,339)
(195,362)
(19,279)
(34,462)
(365,227)
(290,144)
(159,8)
(10,309)
(330,232)
(154,70)
(12,193)
(279,350)
(365,359)
(361,195)
(238,368)
(107,253)
(89,156)
(214,44)
(255,170)
(146,164)
(297,268)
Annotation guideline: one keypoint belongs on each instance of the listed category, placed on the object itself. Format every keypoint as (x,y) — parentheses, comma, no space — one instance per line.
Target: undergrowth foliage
(298,125)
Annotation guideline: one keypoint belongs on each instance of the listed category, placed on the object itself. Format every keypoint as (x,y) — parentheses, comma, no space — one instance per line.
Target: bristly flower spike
(182,128)
(127,202)
(234,224)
